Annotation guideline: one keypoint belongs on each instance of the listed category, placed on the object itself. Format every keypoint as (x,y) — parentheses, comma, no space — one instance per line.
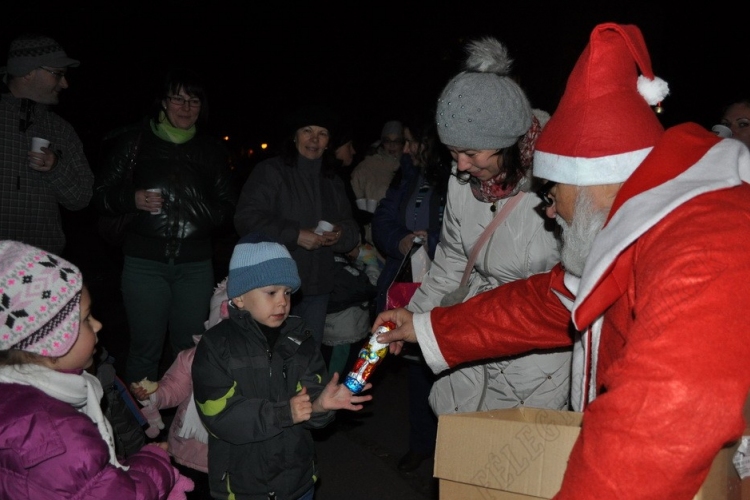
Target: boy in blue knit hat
(259,382)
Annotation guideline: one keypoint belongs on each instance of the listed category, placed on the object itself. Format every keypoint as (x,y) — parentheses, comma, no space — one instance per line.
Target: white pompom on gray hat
(29,52)
(482,107)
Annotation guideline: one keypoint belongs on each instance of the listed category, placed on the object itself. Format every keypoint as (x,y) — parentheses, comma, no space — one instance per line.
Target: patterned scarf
(491,190)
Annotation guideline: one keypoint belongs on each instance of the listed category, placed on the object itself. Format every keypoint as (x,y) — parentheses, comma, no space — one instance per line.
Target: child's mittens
(182,485)
(155,423)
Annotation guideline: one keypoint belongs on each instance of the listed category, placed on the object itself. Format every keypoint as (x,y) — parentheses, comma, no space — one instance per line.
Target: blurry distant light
(226,137)
(264,146)
(250,152)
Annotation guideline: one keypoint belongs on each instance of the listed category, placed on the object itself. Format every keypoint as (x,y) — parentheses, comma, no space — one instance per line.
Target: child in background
(188,439)
(56,443)
(259,382)
(350,306)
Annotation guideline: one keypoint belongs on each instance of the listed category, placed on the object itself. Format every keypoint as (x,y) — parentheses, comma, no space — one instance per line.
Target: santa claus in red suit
(652,290)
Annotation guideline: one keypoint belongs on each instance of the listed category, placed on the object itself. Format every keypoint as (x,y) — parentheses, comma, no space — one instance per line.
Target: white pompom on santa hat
(604,126)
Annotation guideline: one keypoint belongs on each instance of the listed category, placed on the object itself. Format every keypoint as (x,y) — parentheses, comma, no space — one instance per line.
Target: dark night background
(371,60)
(375,61)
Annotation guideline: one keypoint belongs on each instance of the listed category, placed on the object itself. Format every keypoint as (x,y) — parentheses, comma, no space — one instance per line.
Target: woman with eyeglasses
(285,197)
(175,180)
(485,120)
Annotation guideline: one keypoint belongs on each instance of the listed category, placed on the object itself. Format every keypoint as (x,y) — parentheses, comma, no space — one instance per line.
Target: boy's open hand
(337,396)
(301,406)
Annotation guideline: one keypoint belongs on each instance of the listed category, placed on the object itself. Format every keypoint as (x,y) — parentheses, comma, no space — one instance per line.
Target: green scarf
(170,133)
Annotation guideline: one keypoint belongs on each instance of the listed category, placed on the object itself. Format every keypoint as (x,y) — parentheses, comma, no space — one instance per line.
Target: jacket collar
(291,337)
(688,161)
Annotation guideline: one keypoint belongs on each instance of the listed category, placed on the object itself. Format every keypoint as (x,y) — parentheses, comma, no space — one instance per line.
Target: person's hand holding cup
(41,158)
(323,227)
(155,200)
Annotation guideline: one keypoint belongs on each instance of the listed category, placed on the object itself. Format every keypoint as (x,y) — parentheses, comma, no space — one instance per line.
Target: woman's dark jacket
(194,179)
(389,224)
(279,200)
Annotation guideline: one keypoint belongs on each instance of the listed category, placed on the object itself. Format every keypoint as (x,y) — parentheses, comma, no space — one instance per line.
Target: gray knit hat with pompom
(482,107)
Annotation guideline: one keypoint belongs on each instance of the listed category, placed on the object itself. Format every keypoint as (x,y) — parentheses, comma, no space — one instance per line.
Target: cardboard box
(521,454)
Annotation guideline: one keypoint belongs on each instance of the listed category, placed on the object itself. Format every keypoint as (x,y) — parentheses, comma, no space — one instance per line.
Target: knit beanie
(257,262)
(29,52)
(482,107)
(40,297)
(604,126)
(394,127)
(314,114)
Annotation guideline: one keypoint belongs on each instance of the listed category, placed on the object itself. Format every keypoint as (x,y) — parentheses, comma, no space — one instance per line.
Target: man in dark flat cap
(34,184)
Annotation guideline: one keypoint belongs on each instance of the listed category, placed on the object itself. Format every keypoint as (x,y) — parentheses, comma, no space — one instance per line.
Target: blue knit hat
(257,262)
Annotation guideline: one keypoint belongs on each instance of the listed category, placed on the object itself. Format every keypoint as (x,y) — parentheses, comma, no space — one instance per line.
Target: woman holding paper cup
(736,121)
(177,182)
(491,137)
(287,197)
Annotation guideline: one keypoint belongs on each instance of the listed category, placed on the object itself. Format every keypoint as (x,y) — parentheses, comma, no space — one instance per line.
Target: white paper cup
(155,190)
(323,226)
(362,204)
(722,130)
(37,143)
(372,205)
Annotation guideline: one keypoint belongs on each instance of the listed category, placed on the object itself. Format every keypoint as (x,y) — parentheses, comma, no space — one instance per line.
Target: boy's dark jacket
(242,390)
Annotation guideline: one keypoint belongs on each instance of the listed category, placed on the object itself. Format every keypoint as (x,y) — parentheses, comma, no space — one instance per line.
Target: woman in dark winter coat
(168,244)
(286,196)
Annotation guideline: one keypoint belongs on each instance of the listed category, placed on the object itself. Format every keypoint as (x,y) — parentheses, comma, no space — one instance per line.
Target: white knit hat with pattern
(40,298)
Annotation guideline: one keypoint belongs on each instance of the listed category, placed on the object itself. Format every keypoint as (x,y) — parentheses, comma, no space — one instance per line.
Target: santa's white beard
(578,236)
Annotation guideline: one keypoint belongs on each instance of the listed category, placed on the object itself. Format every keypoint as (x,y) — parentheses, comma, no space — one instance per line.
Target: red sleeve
(513,318)
(677,346)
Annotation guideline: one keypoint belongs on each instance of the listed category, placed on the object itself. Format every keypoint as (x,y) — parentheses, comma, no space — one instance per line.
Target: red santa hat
(604,126)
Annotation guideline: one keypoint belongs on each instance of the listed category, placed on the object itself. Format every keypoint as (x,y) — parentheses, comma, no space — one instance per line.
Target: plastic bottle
(371,354)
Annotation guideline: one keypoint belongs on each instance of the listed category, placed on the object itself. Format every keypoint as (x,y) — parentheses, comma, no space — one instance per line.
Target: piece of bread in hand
(149,386)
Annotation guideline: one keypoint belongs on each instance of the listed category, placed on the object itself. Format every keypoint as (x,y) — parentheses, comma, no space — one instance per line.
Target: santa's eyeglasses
(544,193)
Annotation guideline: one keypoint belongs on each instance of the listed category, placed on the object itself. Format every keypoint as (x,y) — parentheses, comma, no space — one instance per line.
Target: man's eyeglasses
(57,74)
(544,193)
(178,100)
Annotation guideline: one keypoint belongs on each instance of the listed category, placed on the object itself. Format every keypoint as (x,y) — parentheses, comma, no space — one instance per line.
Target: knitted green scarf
(170,133)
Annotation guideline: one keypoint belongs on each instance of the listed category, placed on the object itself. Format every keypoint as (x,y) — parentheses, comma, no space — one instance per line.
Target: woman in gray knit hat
(485,120)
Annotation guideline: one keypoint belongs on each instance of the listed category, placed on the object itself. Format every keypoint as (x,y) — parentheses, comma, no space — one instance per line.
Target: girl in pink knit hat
(61,445)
